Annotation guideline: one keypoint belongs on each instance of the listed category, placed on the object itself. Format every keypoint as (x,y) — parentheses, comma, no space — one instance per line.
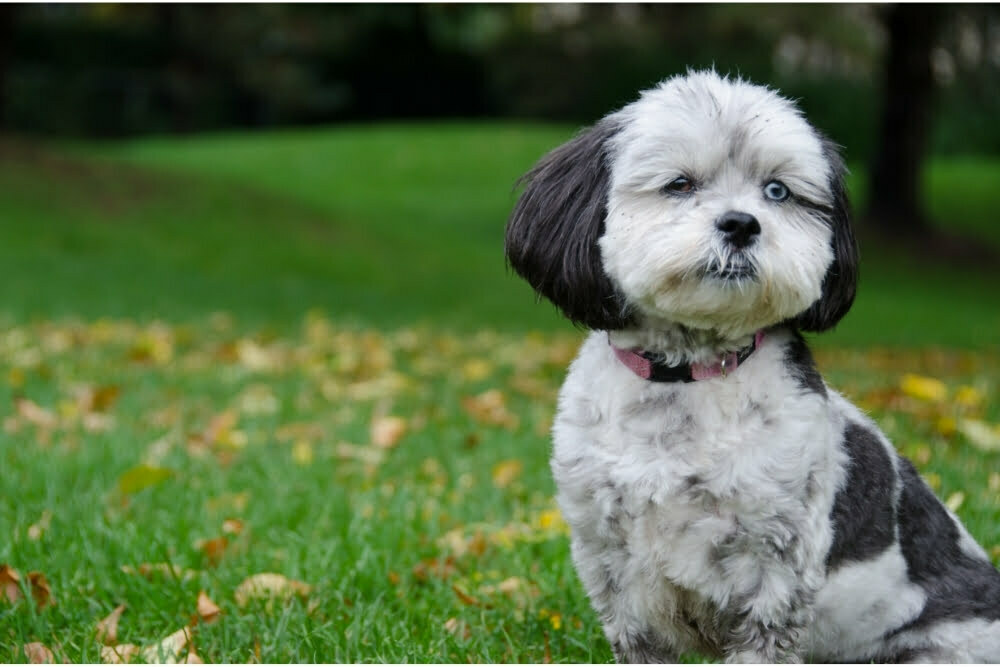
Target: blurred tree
(894,201)
(6,32)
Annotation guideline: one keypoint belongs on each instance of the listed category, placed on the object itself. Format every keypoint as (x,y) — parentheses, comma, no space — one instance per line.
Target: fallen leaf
(208,611)
(213,549)
(168,650)
(107,628)
(147,570)
(117,655)
(490,407)
(10,583)
(142,477)
(232,526)
(923,388)
(465,597)
(38,653)
(955,501)
(40,589)
(980,434)
(97,399)
(506,472)
(458,628)
(386,432)
(302,452)
(35,414)
(269,586)
(440,568)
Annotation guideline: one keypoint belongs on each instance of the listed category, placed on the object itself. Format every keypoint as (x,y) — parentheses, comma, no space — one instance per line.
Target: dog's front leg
(756,641)
(636,647)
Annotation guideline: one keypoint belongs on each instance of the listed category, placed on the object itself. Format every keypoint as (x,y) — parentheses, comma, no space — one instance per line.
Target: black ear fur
(553,231)
(841,280)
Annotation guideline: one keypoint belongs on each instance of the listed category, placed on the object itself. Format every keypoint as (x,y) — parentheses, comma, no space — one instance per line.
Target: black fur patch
(800,363)
(841,280)
(958,586)
(553,231)
(863,515)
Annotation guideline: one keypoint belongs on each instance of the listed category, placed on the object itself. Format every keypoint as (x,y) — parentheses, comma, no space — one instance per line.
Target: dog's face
(707,202)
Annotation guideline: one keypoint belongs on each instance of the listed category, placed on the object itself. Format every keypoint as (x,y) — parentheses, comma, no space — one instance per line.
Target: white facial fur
(730,138)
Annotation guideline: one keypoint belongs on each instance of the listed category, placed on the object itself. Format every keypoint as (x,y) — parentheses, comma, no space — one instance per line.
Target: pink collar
(647,367)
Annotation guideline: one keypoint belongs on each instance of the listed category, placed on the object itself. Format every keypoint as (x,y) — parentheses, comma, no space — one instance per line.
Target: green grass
(258,302)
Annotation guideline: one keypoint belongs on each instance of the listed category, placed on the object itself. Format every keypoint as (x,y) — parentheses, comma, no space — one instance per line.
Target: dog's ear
(841,280)
(553,231)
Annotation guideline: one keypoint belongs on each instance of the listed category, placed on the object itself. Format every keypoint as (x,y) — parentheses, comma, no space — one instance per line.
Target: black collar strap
(645,365)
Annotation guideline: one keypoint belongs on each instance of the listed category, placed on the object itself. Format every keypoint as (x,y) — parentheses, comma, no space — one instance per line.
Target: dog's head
(708,202)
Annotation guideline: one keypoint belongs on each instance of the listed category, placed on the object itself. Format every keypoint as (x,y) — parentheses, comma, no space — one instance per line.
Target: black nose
(739,228)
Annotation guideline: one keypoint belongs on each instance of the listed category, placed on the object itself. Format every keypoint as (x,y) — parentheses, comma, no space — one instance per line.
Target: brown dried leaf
(10,583)
(168,650)
(40,589)
(38,654)
(386,432)
(36,530)
(35,414)
(213,549)
(458,628)
(118,655)
(148,570)
(440,568)
(269,586)
(490,407)
(208,611)
(107,628)
(232,527)
(466,598)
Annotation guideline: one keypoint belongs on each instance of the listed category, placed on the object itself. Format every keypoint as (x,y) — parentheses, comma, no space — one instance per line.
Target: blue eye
(679,186)
(776,191)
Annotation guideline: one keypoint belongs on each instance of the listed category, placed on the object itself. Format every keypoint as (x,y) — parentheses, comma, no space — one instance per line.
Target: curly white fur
(758,516)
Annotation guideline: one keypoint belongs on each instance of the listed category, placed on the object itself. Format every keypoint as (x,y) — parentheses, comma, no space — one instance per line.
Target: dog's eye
(679,186)
(776,191)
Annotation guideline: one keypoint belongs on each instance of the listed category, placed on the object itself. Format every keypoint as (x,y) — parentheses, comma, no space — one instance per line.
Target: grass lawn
(300,353)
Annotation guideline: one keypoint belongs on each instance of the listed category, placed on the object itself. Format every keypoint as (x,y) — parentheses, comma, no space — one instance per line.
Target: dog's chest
(703,487)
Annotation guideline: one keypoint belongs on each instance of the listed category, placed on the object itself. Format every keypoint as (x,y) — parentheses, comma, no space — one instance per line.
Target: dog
(721,497)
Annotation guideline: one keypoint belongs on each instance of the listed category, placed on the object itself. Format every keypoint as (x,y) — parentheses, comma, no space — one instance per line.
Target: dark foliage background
(113,70)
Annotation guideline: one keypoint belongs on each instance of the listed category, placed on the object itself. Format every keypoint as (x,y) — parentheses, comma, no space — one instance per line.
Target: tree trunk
(895,205)
(6,37)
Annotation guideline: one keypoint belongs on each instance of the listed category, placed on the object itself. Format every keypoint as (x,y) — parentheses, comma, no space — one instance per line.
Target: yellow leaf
(923,388)
(506,472)
(968,397)
(955,501)
(476,369)
(946,426)
(142,477)
(302,452)
(107,628)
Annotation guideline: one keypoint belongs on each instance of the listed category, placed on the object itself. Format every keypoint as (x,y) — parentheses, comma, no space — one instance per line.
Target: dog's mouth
(736,269)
